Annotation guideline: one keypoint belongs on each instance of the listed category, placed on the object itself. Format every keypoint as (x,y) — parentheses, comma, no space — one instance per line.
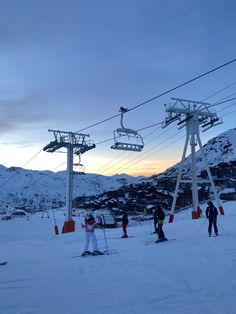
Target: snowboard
(3,263)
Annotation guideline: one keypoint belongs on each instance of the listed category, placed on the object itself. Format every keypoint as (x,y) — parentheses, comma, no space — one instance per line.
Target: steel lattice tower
(191,114)
(75,143)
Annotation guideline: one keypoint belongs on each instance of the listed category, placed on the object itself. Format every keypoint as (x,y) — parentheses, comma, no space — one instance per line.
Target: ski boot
(86,253)
(98,253)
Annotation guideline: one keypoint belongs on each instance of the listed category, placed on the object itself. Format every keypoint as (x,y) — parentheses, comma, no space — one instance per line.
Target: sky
(67,65)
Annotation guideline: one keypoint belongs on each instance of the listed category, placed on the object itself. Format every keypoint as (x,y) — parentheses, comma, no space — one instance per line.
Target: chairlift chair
(127,139)
(78,167)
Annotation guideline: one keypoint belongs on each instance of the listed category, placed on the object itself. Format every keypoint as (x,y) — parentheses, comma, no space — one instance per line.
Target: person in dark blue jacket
(211,214)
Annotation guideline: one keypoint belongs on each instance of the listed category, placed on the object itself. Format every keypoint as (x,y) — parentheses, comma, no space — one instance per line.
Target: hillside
(44,189)
(221,148)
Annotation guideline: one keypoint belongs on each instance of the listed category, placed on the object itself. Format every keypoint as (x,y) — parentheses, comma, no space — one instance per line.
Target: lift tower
(75,143)
(191,114)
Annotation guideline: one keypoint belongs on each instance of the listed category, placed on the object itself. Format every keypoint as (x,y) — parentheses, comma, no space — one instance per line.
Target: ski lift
(78,168)
(127,139)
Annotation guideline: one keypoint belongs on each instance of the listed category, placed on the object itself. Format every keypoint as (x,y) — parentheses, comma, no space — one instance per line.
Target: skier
(90,225)
(155,218)
(211,214)
(125,222)
(160,220)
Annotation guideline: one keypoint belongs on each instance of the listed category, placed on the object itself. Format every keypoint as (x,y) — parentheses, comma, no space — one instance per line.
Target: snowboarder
(125,222)
(90,225)
(211,214)
(160,221)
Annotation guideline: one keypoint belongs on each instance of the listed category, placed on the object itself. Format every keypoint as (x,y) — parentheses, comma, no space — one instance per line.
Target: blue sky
(68,64)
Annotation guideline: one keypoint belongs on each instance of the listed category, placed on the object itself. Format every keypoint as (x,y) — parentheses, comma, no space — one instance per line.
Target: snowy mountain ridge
(44,189)
(221,148)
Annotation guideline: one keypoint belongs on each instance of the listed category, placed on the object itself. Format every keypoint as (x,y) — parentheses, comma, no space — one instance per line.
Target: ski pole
(105,240)
(222,228)
(55,223)
(201,225)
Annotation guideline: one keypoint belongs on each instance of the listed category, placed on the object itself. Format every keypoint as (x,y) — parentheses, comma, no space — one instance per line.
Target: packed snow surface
(193,274)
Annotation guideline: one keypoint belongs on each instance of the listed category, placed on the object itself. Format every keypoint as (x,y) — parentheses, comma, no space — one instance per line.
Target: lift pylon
(191,114)
(75,143)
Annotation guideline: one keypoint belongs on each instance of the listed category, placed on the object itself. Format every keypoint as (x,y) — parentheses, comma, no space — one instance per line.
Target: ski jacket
(89,226)
(125,219)
(160,214)
(155,216)
(211,212)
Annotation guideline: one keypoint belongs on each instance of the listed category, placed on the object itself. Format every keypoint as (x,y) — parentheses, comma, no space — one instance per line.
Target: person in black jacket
(160,221)
(211,214)
(155,218)
(125,222)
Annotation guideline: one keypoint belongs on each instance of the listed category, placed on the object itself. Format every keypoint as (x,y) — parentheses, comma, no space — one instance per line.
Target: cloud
(17,113)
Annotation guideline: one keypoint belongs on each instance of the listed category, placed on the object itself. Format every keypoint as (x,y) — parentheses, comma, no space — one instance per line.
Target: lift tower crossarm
(184,106)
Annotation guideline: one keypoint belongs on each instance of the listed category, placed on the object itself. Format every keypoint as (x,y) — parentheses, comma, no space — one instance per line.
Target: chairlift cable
(129,162)
(215,93)
(183,84)
(219,91)
(180,138)
(126,156)
(222,102)
(137,160)
(11,177)
(208,97)
(163,93)
(32,158)
(157,151)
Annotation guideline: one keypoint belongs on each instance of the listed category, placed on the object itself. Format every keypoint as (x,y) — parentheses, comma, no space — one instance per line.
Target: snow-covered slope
(42,189)
(192,275)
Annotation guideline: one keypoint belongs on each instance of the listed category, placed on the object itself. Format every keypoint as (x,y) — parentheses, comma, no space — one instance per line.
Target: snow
(39,189)
(193,274)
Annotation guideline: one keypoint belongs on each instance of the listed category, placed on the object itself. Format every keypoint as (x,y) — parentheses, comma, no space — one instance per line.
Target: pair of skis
(157,242)
(90,255)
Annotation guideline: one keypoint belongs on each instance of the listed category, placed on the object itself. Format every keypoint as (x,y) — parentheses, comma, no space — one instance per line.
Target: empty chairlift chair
(78,167)
(127,139)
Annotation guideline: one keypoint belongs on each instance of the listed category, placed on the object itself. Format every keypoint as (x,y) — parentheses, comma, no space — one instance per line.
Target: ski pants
(155,226)
(124,226)
(90,236)
(214,223)
(160,232)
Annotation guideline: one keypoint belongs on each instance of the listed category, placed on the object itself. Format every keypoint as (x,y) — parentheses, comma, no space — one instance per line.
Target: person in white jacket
(90,225)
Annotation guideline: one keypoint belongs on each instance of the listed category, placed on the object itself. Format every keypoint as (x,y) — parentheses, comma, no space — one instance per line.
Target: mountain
(220,149)
(44,189)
